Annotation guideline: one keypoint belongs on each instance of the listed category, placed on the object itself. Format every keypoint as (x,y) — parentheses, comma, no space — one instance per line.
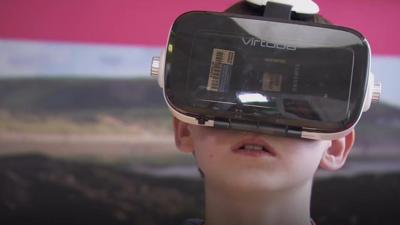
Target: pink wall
(143,22)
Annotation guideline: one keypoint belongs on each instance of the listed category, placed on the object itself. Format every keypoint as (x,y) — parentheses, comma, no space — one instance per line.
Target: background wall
(99,38)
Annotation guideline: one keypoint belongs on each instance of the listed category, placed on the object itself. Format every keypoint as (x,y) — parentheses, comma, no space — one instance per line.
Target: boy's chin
(254,181)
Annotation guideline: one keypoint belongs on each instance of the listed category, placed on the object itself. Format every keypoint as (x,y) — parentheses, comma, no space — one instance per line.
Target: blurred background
(85,136)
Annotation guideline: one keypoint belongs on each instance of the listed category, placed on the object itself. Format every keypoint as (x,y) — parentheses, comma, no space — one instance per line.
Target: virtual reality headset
(266,74)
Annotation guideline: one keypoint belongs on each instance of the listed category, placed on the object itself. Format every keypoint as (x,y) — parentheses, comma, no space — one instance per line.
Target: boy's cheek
(298,154)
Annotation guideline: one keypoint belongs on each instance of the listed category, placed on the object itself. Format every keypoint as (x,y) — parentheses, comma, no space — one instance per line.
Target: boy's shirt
(200,222)
(193,222)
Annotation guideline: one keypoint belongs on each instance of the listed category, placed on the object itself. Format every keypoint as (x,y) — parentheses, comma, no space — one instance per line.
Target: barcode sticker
(272,82)
(220,70)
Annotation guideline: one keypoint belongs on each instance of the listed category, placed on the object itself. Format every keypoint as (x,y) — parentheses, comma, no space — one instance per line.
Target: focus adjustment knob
(155,66)
(376,92)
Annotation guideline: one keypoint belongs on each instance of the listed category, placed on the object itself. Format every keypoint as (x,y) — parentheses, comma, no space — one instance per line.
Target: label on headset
(220,70)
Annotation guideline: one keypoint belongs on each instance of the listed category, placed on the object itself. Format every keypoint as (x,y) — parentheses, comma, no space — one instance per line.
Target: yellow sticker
(220,69)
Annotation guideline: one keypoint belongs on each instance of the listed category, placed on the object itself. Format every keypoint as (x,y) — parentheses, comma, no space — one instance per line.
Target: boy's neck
(237,207)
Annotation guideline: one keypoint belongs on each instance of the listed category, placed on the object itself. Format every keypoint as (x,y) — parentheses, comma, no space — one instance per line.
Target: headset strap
(278,10)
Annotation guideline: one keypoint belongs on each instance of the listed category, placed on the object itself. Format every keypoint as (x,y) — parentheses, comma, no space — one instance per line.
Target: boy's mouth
(254,147)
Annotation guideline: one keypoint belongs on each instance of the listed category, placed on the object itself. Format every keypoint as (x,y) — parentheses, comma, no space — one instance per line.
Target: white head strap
(298,6)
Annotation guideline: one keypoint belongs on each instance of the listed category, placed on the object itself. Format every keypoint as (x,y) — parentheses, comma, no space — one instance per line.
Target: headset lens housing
(266,72)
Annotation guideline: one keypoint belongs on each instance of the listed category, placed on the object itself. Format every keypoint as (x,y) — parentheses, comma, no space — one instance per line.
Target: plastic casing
(190,23)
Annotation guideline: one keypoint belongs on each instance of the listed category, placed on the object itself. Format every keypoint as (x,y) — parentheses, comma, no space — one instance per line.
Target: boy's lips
(256,147)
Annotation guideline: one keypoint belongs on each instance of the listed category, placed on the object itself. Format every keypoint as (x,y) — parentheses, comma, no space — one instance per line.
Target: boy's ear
(183,137)
(335,156)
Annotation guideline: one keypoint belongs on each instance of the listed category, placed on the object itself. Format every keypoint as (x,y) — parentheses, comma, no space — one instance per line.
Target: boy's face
(226,158)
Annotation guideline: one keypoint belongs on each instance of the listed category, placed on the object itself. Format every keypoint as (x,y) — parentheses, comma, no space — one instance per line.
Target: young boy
(254,178)
(271,188)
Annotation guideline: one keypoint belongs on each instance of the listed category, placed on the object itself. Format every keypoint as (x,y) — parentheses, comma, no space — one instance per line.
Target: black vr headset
(267,73)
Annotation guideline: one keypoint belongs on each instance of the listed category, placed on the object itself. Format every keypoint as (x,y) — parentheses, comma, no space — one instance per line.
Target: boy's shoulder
(193,222)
